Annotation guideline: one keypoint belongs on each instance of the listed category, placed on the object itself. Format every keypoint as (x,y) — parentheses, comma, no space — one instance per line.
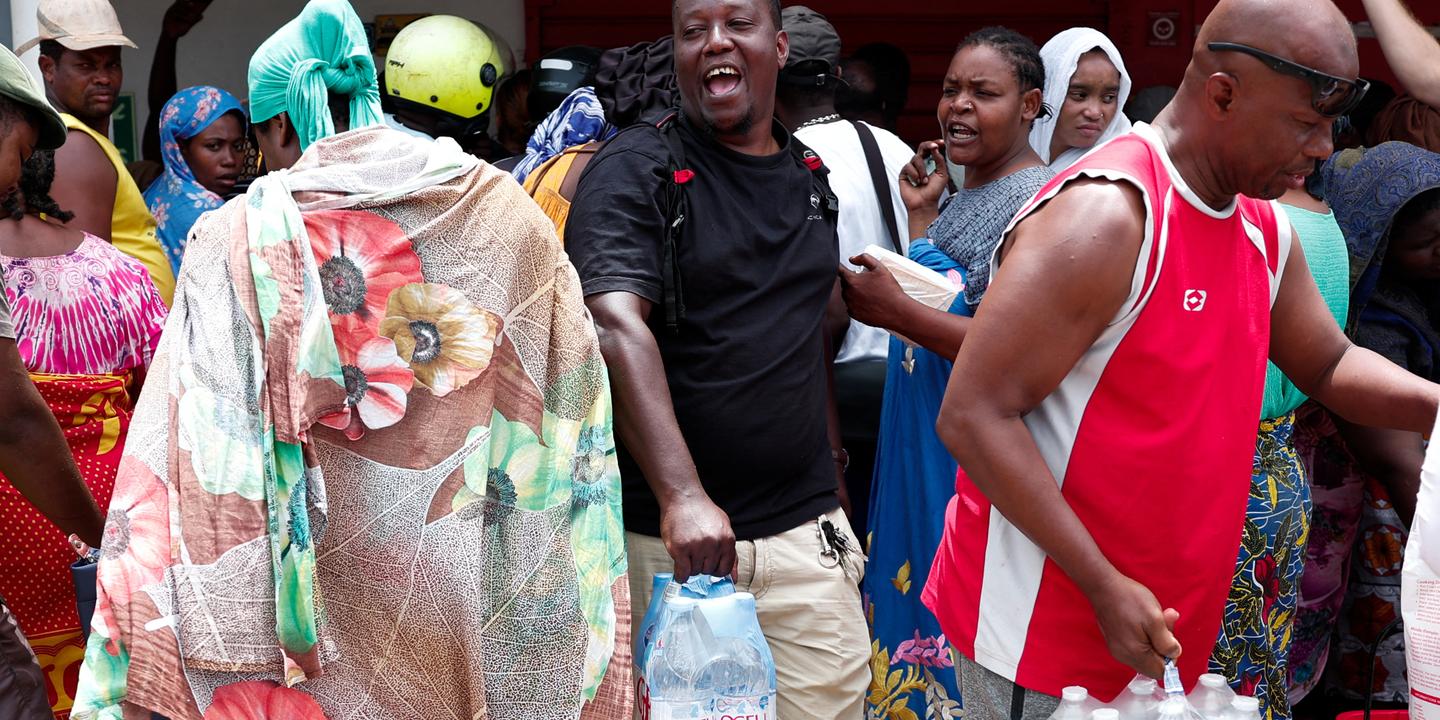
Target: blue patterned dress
(911,663)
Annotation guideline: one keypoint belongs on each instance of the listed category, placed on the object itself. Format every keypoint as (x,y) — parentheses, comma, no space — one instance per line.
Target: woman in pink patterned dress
(87,319)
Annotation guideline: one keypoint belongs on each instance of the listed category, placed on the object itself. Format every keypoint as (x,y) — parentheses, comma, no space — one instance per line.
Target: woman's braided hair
(35,179)
(1019,50)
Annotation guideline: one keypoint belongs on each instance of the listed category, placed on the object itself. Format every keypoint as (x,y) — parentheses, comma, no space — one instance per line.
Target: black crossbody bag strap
(881,183)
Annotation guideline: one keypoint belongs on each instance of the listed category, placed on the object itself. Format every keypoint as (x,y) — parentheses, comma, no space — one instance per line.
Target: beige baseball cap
(78,25)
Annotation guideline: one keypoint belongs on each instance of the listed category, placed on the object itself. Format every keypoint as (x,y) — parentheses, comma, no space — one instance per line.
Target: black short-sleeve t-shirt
(757,257)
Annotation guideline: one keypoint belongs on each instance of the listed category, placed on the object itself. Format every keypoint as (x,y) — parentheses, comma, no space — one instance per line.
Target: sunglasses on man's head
(1331,96)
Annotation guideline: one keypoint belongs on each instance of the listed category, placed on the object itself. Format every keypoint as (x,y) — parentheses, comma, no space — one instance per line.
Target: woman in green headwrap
(376,477)
(313,78)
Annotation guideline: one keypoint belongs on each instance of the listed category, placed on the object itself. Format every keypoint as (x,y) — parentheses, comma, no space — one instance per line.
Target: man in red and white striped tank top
(1107,394)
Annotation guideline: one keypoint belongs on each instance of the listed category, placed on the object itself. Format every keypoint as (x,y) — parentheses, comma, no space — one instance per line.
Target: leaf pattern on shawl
(479,606)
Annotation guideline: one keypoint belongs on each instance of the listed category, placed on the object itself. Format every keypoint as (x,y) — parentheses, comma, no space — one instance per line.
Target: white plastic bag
(919,282)
(1420,591)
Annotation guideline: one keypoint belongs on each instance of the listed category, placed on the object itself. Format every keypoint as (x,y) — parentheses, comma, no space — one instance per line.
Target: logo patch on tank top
(1194,300)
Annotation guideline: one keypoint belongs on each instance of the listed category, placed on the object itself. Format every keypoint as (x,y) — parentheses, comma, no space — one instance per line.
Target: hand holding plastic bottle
(698,536)
(1138,632)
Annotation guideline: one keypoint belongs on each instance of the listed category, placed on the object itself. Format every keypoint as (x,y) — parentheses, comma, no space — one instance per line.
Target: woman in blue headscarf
(202,139)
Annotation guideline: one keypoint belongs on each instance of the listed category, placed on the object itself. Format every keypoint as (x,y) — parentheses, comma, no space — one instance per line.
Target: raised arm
(34,456)
(920,191)
(696,531)
(180,18)
(1357,384)
(1411,51)
(1060,284)
(85,184)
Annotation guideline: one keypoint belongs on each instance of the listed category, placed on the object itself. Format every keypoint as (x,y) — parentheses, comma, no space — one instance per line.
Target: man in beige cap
(80,44)
(33,454)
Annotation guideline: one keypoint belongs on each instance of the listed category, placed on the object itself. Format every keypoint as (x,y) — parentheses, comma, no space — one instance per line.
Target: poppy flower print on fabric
(446,339)
(377,383)
(362,259)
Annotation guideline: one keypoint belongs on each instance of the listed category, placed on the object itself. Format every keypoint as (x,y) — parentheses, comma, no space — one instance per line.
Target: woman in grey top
(990,99)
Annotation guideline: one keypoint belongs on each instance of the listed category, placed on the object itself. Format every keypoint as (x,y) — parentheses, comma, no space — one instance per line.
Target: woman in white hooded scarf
(1086,87)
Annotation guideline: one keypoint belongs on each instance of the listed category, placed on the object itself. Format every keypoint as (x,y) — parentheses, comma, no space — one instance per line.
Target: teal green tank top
(1329,263)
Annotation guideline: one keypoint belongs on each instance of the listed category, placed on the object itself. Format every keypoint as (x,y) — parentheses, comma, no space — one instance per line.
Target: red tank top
(1151,437)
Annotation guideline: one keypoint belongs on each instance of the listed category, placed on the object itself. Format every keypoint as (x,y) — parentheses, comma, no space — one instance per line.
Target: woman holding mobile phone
(990,98)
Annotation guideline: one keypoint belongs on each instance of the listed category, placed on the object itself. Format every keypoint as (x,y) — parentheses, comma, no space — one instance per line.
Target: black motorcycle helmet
(558,74)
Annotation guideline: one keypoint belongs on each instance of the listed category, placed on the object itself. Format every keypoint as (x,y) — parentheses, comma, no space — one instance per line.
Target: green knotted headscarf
(320,52)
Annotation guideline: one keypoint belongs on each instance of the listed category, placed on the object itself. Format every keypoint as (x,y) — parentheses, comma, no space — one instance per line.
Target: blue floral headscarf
(176,199)
(578,120)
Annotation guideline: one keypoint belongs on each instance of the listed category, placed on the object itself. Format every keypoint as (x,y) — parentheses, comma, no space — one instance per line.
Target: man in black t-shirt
(730,452)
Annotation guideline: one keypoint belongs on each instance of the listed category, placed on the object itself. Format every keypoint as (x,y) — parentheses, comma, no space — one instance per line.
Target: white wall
(218,50)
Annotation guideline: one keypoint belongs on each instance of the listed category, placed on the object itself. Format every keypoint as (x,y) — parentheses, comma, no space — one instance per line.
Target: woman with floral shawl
(178,198)
(377,477)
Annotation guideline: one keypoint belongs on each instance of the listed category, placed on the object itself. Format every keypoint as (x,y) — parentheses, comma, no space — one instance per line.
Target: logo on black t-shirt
(814,208)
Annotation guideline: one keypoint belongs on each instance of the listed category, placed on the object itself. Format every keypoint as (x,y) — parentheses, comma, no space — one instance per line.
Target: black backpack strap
(677,208)
(819,177)
(882,185)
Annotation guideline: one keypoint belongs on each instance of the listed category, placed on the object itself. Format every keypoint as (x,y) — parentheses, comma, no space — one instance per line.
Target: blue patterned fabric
(914,479)
(176,199)
(1366,188)
(1253,649)
(578,120)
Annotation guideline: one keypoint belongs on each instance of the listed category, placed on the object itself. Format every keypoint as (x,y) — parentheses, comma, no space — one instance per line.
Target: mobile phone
(929,170)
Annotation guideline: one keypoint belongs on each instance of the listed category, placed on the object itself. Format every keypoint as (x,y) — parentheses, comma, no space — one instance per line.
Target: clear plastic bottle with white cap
(1139,699)
(1075,704)
(1211,696)
(1243,708)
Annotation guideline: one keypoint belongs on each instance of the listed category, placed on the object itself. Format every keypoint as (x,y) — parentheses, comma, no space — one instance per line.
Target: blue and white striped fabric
(578,120)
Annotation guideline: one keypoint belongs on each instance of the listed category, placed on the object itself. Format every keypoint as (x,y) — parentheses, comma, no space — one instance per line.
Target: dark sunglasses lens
(1341,98)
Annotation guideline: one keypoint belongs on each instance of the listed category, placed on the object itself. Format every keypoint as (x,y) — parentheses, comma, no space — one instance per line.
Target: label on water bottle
(755,708)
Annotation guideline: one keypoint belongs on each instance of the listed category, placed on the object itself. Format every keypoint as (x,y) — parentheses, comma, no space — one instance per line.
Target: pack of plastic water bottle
(1146,699)
(700,654)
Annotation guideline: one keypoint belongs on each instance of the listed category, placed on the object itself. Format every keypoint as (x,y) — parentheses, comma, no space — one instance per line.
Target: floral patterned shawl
(372,474)
(175,198)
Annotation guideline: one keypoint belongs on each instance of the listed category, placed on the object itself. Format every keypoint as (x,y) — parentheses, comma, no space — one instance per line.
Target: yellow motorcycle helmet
(444,63)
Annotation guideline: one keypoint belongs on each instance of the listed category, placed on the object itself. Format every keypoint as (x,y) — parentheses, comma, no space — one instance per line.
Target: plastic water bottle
(1211,696)
(1174,706)
(1075,704)
(1139,700)
(1105,714)
(707,657)
(652,613)
(1243,708)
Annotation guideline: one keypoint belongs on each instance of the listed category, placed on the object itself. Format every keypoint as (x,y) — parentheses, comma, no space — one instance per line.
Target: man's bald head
(1244,126)
(1315,33)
